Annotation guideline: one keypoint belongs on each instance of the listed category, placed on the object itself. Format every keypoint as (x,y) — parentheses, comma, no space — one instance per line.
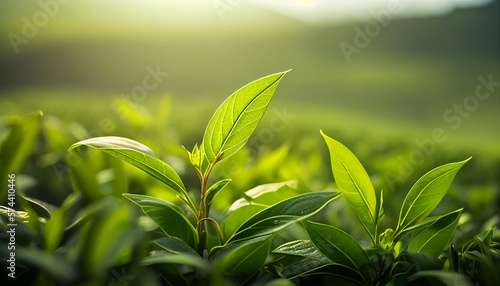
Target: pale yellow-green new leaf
(354,183)
(238,116)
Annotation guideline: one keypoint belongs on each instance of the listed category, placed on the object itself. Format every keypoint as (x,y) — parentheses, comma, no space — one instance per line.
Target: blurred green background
(84,64)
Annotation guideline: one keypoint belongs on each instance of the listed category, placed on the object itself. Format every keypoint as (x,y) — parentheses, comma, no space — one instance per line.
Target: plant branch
(217,228)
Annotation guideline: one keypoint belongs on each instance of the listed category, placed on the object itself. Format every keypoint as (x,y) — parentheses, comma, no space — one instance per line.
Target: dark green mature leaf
(17,145)
(280,215)
(434,238)
(301,257)
(416,227)
(416,261)
(236,218)
(337,245)
(257,199)
(304,248)
(175,245)
(241,260)
(139,156)
(168,217)
(291,266)
(163,257)
(354,183)
(426,194)
(339,275)
(238,116)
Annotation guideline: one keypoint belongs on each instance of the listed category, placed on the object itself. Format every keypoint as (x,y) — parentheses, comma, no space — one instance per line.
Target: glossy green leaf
(160,257)
(214,189)
(416,227)
(168,217)
(337,274)
(270,194)
(17,145)
(354,183)
(280,215)
(434,238)
(238,116)
(426,194)
(417,261)
(139,156)
(175,245)
(233,220)
(291,266)
(256,200)
(304,248)
(337,245)
(299,258)
(243,259)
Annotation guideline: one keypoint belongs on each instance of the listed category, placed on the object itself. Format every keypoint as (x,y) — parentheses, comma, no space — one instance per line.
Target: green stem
(204,209)
(217,228)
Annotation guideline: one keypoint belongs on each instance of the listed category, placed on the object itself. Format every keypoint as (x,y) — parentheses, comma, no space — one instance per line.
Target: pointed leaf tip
(237,117)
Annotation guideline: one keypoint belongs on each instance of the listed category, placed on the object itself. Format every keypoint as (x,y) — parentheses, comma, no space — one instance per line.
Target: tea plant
(242,247)
(396,254)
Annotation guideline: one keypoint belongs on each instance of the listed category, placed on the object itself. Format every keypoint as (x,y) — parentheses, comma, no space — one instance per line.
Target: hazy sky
(347,10)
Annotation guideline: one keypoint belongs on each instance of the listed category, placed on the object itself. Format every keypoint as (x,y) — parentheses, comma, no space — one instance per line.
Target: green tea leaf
(17,145)
(338,274)
(417,261)
(304,248)
(337,245)
(291,266)
(243,259)
(106,237)
(233,220)
(168,217)
(139,156)
(426,194)
(175,245)
(434,238)
(238,116)
(280,215)
(257,199)
(214,189)
(54,229)
(160,257)
(354,183)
